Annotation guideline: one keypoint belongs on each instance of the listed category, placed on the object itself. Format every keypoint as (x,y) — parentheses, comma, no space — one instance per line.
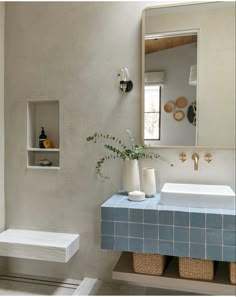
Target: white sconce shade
(126,84)
(193,75)
(124,74)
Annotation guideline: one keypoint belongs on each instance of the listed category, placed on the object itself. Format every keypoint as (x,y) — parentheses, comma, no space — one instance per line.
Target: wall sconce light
(193,75)
(126,84)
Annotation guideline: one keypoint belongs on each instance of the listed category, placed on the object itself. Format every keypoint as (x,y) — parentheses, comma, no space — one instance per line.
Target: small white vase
(149,182)
(131,179)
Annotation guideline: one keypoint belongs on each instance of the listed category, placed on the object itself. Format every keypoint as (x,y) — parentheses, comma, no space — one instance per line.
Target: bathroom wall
(2,206)
(73,52)
(176,63)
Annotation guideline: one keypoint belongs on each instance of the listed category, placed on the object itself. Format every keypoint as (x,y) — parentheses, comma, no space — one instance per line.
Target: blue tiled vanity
(149,227)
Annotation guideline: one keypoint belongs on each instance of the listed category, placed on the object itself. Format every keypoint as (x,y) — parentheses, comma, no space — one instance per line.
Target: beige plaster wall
(73,52)
(2,205)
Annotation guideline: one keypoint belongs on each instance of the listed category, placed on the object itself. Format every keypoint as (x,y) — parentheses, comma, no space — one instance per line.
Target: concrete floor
(122,289)
(13,288)
(22,285)
(22,288)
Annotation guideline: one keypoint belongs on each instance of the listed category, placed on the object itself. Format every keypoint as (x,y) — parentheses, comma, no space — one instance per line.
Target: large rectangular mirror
(188,75)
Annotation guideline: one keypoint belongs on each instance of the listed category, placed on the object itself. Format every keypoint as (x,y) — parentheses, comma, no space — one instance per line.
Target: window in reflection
(152,111)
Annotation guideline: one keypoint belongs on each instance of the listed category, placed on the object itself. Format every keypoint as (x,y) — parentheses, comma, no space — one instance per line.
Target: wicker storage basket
(196,268)
(232,272)
(149,263)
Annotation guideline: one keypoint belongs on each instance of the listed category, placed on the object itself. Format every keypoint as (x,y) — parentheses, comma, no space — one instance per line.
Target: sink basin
(195,195)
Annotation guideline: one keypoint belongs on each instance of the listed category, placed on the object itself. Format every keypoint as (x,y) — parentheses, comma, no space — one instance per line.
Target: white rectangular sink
(196,195)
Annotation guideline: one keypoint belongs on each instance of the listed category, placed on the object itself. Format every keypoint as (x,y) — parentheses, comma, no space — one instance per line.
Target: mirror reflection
(170,89)
(189,75)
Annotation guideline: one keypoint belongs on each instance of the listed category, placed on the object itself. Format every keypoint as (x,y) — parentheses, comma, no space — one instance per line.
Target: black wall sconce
(126,84)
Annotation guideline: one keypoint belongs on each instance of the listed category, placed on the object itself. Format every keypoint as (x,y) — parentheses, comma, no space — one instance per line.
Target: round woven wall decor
(169,106)
(179,115)
(181,102)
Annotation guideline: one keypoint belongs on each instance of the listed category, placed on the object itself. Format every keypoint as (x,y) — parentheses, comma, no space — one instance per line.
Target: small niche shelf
(43,113)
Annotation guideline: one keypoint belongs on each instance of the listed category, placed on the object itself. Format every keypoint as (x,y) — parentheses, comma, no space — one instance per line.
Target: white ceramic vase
(149,182)
(131,179)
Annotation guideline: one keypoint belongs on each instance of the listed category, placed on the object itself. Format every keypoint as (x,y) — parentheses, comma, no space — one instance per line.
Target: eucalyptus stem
(118,149)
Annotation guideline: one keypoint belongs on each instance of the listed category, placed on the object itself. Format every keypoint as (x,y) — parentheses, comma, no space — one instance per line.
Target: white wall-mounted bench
(38,245)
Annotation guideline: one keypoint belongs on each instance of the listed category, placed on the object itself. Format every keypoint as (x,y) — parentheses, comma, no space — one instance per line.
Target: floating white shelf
(38,245)
(44,167)
(172,281)
(32,149)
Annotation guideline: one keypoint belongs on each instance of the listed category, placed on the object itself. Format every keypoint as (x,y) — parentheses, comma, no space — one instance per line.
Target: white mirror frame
(142,84)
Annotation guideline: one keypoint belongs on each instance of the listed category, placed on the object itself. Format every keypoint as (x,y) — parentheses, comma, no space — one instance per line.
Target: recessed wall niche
(43,113)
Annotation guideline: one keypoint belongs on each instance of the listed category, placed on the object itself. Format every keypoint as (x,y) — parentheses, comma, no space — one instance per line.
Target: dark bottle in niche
(42,137)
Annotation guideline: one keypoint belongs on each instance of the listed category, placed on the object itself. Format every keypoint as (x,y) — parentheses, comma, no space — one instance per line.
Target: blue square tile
(166,232)
(136,215)
(214,221)
(121,214)
(136,245)
(182,209)
(197,235)
(138,205)
(107,242)
(166,248)
(229,238)
(197,251)
(123,203)
(107,228)
(214,252)
(229,253)
(214,236)
(136,230)
(121,243)
(150,246)
(228,212)
(107,213)
(150,231)
(181,234)
(198,220)
(121,229)
(197,210)
(214,210)
(181,249)
(229,222)
(115,198)
(168,208)
(150,216)
(166,217)
(181,219)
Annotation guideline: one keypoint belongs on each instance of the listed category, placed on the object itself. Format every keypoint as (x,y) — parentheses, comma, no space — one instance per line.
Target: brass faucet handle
(182,157)
(208,157)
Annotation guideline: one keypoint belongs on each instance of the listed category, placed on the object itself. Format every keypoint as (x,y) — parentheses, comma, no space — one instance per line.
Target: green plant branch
(136,152)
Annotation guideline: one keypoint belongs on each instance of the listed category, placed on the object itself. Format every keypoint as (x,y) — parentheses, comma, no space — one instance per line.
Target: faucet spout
(195,158)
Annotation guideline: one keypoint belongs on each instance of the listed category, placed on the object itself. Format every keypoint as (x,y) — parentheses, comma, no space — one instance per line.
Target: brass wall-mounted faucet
(195,158)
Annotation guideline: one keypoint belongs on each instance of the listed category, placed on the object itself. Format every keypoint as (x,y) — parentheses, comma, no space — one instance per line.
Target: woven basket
(196,268)
(232,272)
(149,263)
